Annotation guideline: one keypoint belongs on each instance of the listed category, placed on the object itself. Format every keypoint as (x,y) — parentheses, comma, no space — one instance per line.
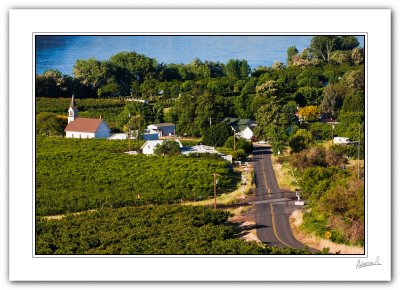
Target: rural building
(200,149)
(84,127)
(163,129)
(148,147)
(244,127)
(123,136)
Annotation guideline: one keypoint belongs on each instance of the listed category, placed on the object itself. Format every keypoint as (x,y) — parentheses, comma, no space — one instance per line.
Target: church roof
(88,125)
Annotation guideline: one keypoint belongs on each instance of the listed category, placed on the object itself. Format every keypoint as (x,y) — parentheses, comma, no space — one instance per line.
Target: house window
(71,113)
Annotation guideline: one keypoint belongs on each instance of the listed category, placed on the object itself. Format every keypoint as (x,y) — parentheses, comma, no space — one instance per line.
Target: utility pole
(215,190)
(358,154)
(234,140)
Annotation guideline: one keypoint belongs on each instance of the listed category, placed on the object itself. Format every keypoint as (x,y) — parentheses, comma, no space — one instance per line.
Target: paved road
(272,218)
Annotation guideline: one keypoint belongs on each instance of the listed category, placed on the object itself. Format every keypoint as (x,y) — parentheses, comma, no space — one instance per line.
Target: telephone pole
(358,154)
(215,190)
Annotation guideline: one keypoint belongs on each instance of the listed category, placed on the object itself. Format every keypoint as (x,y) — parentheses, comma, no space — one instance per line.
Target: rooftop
(89,125)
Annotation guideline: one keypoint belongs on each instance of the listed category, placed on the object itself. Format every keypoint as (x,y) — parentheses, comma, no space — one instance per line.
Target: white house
(246,133)
(243,127)
(148,147)
(163,129)
(84,127)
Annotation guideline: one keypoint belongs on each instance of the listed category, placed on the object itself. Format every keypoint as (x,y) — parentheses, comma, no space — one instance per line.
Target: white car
(262,142)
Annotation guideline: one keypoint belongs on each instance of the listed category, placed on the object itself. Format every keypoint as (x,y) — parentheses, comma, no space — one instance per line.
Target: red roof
(88,125)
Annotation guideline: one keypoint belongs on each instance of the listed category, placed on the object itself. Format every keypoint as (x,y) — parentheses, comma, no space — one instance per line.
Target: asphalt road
(272,219)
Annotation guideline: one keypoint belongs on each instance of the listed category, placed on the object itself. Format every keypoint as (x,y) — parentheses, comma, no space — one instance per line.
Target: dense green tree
(278,139)
(90,72)
(132,66)
(301,140)
(135,90)
(323,46)
(53,84)
(353,103)
(167,148)
(348,42)
(333,99)
(217,134)
(237,68)
(149,89)
(185,110)
(308,96)
(291,52)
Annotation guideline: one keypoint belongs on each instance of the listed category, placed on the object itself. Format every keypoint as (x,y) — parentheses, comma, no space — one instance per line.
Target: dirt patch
(313,241)
(244,216)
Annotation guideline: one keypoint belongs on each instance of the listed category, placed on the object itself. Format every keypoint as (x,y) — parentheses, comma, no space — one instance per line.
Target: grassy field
(284,173)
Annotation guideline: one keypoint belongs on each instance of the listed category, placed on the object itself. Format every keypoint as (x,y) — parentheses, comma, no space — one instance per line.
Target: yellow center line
(272,208)
(265,179)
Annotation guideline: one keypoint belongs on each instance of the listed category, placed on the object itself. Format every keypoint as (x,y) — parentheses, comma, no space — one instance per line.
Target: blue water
(61,52)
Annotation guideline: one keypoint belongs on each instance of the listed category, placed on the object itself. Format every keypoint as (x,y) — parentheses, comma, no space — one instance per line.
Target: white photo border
(24,266)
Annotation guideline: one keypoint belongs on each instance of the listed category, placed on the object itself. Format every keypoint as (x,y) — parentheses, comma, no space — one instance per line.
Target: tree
(110,90)
(135,89)
(278,139)
(131,66)
(167,147)
(353,103)
(49,124)
(217,134)
(357,56)
(291,52)
(53,84)
(309,113)
(307,96)
(90,72)
(135,123)
(237,68)
(301,140)
(206,110)
(268,104)
(323,46)
(348,42)
(149,88)
(341,57)
(333,98)
(278,65)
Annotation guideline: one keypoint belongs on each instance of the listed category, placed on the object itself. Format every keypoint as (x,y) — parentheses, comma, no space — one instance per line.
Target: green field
(77,175)
(162,229)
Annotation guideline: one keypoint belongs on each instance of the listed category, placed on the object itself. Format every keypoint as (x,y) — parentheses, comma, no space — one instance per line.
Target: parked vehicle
(342,140)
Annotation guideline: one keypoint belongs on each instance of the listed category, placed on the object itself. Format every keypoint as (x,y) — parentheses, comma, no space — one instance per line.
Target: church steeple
(72,111)
(72,105)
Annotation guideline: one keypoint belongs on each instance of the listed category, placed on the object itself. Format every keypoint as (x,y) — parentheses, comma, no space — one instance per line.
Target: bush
(241,143)
(318,156)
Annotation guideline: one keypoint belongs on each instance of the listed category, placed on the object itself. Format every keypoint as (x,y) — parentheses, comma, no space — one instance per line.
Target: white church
(84,127)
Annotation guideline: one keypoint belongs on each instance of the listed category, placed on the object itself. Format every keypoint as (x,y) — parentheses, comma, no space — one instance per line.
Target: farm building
(84,127)
(163,129)
(200,149)
(148,147)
